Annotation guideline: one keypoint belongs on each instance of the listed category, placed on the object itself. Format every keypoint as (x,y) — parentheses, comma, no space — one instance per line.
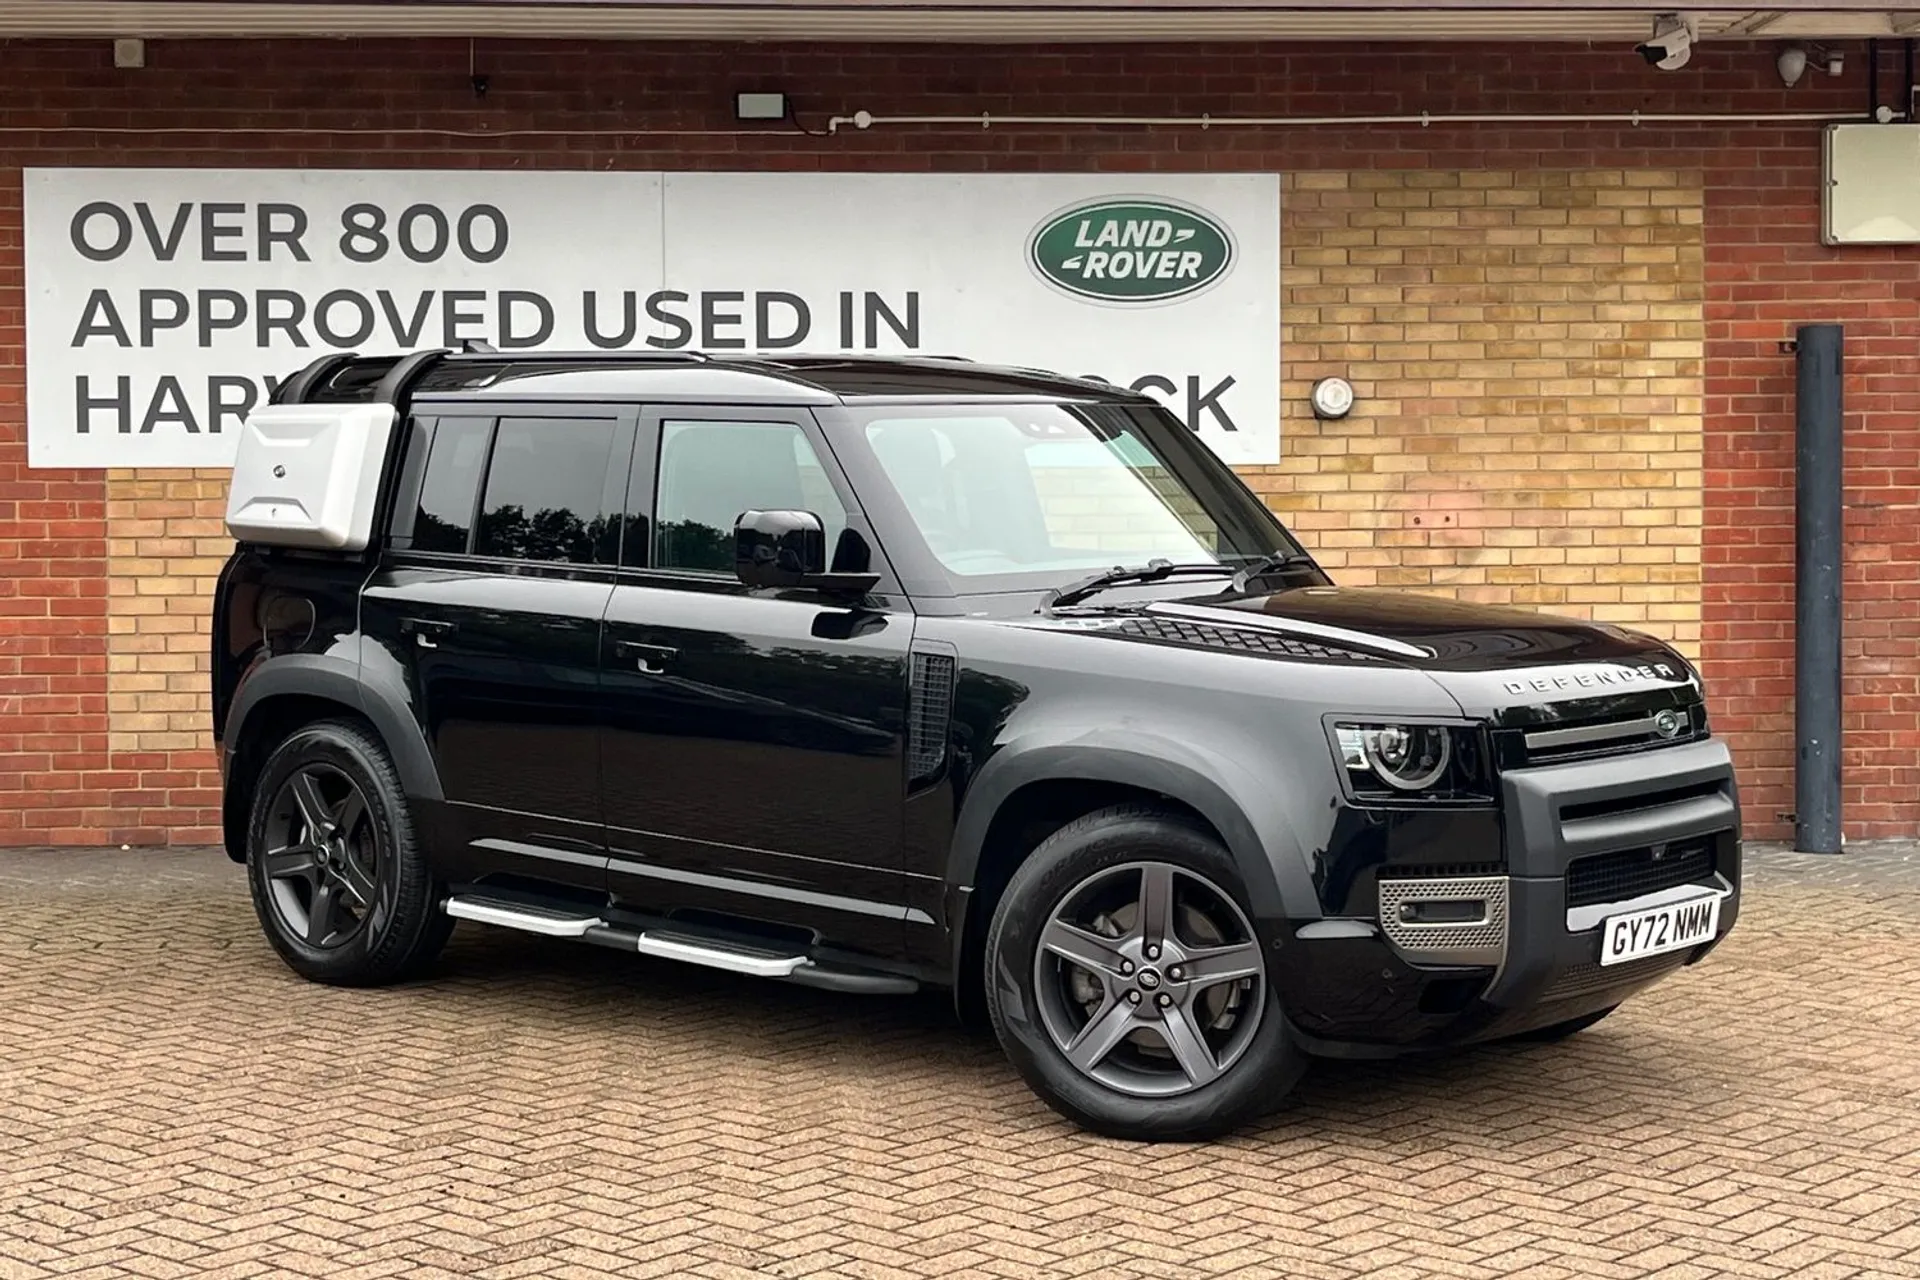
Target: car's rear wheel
(1128,986)
(339,882)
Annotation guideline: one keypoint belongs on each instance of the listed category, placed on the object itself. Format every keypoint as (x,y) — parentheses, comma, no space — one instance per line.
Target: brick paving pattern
(173,1102)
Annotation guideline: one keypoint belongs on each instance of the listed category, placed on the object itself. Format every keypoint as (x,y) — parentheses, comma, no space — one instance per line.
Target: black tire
(403,929)
(1268,1064)
(1559,1031)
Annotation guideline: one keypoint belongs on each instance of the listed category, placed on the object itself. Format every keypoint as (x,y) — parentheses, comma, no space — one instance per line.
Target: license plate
(1674,927)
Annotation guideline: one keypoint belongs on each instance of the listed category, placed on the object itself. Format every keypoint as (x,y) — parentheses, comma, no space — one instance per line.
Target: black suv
(875,673)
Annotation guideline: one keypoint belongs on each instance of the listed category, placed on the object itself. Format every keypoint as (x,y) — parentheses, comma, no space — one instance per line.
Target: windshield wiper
(1274,563)
(1121,575)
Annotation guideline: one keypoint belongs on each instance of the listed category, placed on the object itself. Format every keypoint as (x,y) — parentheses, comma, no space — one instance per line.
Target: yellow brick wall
(165,544)
(1527,352)
(1527,349)
(1103,508)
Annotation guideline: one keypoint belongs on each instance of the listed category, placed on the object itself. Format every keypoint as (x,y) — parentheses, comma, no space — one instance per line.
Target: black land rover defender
(871,674)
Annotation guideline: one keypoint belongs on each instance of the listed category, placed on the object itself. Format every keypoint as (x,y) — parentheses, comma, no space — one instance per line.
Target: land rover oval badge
(1667,723)
(1130,250)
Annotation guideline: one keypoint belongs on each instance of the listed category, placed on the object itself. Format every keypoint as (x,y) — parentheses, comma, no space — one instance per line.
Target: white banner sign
(162,304)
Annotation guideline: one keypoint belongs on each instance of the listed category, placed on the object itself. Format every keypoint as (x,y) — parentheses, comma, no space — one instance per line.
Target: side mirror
(778,548)
(789,549)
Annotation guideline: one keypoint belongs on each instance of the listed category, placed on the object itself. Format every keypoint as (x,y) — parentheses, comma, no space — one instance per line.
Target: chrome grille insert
(1638,730)
(1588,734)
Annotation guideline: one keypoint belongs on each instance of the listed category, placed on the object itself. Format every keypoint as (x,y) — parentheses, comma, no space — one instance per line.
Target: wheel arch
(1025,794)
(286,692)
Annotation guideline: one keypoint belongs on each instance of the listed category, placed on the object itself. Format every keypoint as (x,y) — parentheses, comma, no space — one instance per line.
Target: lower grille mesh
(1615,877)
(1584,979)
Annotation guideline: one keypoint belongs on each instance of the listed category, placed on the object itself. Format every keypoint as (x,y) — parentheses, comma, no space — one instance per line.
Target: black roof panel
(616,379)
(881,377)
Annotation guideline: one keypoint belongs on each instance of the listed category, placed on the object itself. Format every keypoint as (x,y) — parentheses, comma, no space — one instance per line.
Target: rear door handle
(650,658)
(425,629)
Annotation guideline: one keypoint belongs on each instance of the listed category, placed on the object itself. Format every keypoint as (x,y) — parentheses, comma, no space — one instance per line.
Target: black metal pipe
(1816,606)
(1873,78)
(1906,105)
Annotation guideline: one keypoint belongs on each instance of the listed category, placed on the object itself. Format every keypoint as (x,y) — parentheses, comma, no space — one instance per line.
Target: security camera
(1672,42)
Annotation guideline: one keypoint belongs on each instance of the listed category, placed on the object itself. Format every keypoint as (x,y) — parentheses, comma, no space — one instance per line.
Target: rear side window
(454,462)
(518,488)
(545,489)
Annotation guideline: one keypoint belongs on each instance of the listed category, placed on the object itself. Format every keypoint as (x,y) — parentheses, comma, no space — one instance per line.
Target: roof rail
(401,372)
(697,357)
(394,383)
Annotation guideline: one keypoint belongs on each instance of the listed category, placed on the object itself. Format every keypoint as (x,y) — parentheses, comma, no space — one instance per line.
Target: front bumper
(1584,842)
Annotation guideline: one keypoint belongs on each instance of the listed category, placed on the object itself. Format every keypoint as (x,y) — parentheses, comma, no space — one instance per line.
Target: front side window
(1029,494)
(711,472)
(544,492)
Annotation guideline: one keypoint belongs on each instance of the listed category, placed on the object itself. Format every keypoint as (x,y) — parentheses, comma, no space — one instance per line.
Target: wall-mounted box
(1872,188)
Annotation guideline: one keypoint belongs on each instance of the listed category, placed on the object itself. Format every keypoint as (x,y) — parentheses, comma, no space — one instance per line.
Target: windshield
(1011,496)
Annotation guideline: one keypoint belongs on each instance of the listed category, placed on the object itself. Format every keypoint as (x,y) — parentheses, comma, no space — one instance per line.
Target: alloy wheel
(322,861)
(1149,979)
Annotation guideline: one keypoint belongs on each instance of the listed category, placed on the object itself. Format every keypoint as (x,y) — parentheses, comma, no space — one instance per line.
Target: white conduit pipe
(866,120)
(985,120)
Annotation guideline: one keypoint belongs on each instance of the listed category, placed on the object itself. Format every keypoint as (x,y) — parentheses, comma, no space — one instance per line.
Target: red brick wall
(1766,273)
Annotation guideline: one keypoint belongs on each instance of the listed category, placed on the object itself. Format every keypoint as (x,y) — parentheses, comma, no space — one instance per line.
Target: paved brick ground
(173,1102)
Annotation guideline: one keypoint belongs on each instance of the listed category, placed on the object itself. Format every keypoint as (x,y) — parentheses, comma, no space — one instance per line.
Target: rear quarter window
(443,518)
(529,488)
(544,492)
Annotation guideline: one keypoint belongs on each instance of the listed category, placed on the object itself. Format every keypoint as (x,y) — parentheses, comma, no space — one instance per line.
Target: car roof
(688,375)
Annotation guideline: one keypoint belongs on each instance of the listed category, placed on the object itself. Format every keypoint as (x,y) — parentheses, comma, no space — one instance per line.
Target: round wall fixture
(1332,398)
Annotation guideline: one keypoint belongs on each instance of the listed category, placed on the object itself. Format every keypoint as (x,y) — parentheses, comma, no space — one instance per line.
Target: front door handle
(650,658)
(424,630)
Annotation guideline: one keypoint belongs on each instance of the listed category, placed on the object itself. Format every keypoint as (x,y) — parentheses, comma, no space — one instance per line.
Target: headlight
(1389,761)
(1411,757)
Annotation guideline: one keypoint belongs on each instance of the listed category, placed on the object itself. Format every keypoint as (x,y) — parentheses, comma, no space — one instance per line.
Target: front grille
(1585,979)
(1628,873)
(1588,737)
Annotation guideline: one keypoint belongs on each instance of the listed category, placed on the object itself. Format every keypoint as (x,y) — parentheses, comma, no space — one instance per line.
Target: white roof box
(307,475)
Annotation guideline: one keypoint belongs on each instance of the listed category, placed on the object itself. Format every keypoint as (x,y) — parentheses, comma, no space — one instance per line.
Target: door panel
(504,673)
(754,751)
(490,600)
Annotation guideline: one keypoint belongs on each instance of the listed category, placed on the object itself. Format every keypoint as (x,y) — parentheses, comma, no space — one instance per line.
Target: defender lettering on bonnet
(1131,250)
(1597,678)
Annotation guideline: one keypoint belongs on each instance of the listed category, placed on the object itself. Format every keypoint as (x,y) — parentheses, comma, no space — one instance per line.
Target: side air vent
(1200,635)
(929,715)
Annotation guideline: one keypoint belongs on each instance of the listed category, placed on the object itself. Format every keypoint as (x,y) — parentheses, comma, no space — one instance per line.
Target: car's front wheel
(339,881)
(1127,985)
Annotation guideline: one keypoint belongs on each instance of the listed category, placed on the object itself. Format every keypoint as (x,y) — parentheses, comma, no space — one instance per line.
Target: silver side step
(527,919)
(675,944)
(695,951)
